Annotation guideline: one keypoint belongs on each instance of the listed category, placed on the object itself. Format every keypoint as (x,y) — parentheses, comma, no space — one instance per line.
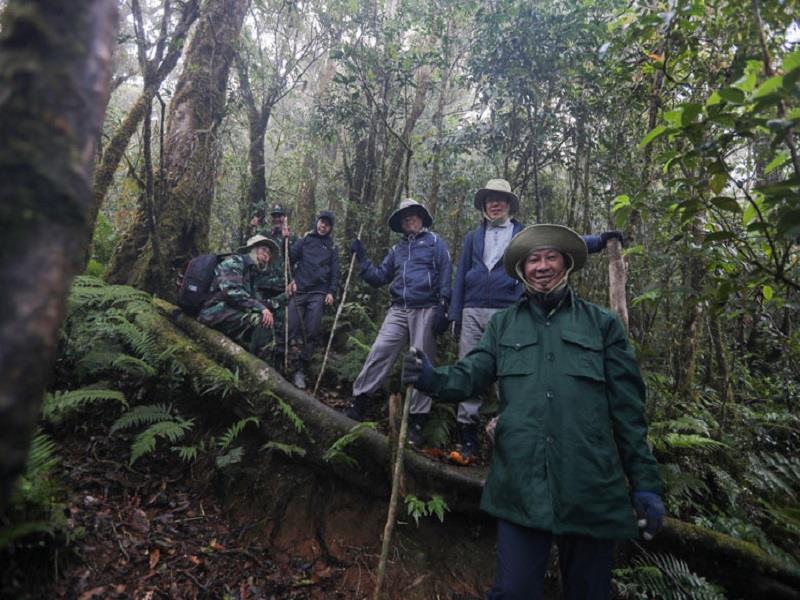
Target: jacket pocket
(517,355)
(583,355)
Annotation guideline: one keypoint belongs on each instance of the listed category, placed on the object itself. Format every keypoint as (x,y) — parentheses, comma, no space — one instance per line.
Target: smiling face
(262,256)
(496,207)
(411,222)
(323,226)
(543,269)
(277,220)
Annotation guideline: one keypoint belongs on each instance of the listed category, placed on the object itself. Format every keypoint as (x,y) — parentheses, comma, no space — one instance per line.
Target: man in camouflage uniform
(236,308)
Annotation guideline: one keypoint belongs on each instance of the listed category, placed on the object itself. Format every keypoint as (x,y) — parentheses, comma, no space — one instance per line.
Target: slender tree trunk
(190,159)
(55,75)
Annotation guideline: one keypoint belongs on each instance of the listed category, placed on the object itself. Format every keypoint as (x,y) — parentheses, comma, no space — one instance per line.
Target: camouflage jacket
(233,290)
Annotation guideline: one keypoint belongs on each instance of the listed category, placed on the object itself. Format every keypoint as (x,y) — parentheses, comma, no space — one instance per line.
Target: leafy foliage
(417,508)
(162,421)
(336,453)
(655,575)
(59,405)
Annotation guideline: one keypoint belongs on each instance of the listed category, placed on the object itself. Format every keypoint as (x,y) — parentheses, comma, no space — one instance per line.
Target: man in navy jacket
(482,287)
(315,266)
(418,270)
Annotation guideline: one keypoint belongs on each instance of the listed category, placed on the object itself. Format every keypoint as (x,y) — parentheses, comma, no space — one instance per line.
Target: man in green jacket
(571,461)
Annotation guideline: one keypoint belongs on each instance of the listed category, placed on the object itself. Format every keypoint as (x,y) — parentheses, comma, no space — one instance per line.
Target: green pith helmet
(396,218)
(539,237)
(259,240)
(494,187)
(277,209)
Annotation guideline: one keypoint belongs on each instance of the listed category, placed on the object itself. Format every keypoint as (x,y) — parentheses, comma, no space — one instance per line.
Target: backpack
(194,286)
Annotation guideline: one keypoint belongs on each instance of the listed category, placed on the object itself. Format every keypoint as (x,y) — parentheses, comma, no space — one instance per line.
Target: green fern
(133,366)
(336,453)
(665,577)
(59,405)
(234,430)
(143,415)
(289,450)
(91,292)
(774,474)
(233,456)
(145,442)
(187,453)
(288,412)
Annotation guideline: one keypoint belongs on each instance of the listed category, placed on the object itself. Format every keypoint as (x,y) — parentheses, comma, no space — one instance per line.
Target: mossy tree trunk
(55,76)
(150,258)
(155,70)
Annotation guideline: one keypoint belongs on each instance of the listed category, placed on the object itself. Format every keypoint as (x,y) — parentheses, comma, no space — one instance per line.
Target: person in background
(571,463)
(482,287)
(418,270)
(235,306)
(315,261)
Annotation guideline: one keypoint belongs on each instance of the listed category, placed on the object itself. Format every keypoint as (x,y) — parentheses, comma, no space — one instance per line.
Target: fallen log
(744,569)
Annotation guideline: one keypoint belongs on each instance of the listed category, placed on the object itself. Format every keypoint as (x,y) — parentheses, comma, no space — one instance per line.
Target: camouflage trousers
(264,342)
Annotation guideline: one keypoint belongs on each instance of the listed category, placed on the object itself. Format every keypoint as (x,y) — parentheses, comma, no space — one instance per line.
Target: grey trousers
(473,324)
(400,326)
(305,323)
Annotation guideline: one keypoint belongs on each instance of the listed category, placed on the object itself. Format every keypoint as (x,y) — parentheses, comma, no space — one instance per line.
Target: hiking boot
(358,408)
(469,446)
(416,424)
(299,380)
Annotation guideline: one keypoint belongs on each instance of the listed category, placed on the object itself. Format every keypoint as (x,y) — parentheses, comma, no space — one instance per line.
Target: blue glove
(440,321)
(357,248)
(611,235)
(417,369)
(649,513)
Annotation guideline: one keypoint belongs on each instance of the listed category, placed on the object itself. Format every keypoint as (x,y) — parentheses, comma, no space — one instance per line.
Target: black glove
(417,369)
(649,513)
(357,248)
(611,235)
(440,321)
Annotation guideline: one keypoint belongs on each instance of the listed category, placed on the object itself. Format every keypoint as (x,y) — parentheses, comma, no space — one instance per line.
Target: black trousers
(522,554)
(305,323)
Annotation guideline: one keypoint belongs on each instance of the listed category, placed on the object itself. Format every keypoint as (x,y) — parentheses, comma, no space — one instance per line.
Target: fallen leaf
(155,555)
(88,595)
(215,545)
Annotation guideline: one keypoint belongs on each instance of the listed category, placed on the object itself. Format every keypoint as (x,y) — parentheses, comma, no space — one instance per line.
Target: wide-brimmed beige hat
(259,240)
(395,220)
(497,186)
(538,237)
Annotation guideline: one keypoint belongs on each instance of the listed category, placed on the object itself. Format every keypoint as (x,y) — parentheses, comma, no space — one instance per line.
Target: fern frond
(143,415)
(288,449)
(774,474)
(665,576)
(336,453)
(42,457)
(135,367)
(145,442)
(234,430)
(60,404)
(692,441)
(218,381)
(187,453)
(288,412)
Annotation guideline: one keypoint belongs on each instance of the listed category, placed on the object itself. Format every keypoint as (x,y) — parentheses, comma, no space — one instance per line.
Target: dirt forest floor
(164,529)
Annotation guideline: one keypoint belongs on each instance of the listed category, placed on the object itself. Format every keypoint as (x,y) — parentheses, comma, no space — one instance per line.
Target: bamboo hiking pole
(286,314)
(397,477)
(616,280)
(336,317)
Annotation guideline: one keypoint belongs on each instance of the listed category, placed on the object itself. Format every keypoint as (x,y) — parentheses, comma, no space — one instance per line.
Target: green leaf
(649,296)
(789,223)
(746,82)
(714,99)
(657,131)
(776,162)
(767,292)
(726,203)
(791,61)
(689,113)
(771,85)
(732,95)
(717,236)
(718,182)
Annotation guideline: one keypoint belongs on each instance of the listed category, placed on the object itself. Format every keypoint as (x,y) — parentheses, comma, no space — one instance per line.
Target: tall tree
(158,244)
(55,75)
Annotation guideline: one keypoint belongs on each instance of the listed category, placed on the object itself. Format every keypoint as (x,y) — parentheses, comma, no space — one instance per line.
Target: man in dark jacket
(482,287)
(571,461)
(315,261)
(235,307)
(418,270)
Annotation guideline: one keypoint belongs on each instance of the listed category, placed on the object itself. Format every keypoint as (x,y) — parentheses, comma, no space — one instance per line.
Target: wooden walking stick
(397,476)
(616,280)
(286,285)
(336,317)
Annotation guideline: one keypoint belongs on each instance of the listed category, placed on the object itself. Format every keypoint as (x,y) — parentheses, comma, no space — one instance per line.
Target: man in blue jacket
(482,287)
(315,263)
(418,269)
